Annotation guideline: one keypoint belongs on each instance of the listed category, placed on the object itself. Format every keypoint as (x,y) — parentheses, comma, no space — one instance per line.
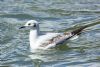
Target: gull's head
(31,24)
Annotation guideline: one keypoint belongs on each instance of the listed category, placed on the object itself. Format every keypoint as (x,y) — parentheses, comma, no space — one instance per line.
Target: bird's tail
(78,31)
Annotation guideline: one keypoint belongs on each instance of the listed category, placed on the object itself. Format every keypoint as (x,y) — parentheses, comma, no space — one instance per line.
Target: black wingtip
(78,31)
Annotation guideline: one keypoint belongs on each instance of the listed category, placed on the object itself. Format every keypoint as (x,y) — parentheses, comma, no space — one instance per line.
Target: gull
(47,40)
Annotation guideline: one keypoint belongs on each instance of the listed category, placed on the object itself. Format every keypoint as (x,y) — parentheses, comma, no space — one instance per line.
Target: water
(54,15)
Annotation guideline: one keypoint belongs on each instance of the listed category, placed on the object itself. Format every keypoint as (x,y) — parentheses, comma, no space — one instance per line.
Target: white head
(31,24)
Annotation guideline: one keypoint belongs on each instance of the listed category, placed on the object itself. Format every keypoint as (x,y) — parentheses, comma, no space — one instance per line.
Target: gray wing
(57,40)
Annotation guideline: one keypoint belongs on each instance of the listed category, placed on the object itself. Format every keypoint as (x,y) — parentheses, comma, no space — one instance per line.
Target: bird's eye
(29,24)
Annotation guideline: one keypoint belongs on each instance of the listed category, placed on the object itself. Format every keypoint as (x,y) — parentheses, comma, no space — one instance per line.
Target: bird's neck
(33,38)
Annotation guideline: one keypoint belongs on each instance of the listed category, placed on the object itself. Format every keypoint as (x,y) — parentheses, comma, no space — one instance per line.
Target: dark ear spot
(34,25)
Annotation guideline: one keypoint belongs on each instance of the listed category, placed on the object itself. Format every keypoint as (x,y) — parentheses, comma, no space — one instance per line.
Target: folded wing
(53,39)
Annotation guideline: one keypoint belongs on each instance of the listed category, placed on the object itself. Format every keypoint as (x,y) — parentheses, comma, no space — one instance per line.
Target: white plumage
(48,40)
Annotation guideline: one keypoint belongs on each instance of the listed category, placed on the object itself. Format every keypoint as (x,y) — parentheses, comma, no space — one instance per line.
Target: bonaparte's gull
(48,40)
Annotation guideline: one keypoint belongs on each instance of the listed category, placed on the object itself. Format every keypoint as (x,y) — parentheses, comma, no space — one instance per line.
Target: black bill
(22,27)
